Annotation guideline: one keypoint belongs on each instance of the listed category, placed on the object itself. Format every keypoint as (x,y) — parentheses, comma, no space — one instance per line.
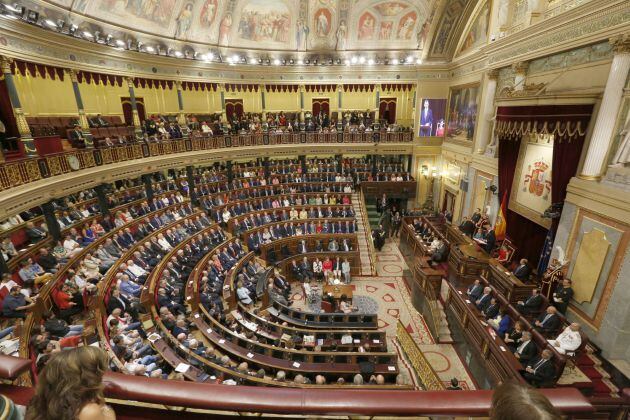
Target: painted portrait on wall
(406,26)
(531,188)
(197,20)
(462,112)
(367,23)
(432,117)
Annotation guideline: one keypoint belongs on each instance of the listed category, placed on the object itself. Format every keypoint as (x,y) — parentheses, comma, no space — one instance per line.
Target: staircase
(373,215)
(363,236)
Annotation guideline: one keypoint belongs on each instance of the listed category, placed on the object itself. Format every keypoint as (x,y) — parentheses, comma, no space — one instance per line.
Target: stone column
(483,132)
(520,73)
(83,121)
(602,136)
(22,126)
(223,112)
(263,103)
(302,89)
(134,109)
(181,116)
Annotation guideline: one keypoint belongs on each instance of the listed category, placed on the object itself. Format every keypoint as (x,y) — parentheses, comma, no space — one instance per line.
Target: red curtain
(387,110)
(528,236)
(6,111)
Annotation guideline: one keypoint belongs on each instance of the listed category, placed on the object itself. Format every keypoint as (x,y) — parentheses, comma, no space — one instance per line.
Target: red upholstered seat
(12,367)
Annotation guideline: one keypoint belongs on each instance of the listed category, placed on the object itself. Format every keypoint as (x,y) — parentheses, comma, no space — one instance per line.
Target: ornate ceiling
(381,28)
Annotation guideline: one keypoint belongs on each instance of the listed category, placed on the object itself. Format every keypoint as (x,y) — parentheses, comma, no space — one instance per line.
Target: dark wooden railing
(24,171)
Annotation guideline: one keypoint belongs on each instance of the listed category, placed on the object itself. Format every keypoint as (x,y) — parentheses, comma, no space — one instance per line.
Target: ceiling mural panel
(477,34)
(320,26)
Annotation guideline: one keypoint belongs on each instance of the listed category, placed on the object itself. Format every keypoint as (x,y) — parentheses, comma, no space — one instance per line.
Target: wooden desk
(393,189)
(500,362)
(507,283)
(337,291)
(467,262)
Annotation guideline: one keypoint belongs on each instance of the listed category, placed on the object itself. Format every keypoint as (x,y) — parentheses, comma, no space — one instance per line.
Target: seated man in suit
(532,304)
(34,234)
(483,302)
(76,135)
(439,255)
(491,310)
(526,349)
(475,290)
(523,270)
(549,321)
(541,370)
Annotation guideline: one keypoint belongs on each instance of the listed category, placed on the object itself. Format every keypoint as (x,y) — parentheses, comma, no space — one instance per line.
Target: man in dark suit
(563,295)
(491,239)
(116,300)
(523,270)
(467,227)
(491,310)
(426,120)
(476,216)
(548,321)
(475,290)
(33,233)
(76,135)
(301,248)
(540,371)
(531,304)
(483,302)
(526,349)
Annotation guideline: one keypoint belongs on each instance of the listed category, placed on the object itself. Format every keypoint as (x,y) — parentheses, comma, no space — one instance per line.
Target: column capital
(72,73)
(178,84)
(493,74)
(129,81)
(620,44)
(521,67)
(302,88)
(5,63)
(340,87)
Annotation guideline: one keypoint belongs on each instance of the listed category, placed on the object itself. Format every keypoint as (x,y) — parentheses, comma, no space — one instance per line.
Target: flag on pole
(500,227)
(545,255)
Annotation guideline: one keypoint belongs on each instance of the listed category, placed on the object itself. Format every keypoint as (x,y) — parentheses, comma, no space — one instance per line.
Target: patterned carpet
(388,295)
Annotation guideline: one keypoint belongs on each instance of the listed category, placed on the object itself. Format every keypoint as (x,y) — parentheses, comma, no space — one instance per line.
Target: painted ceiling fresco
(279,25)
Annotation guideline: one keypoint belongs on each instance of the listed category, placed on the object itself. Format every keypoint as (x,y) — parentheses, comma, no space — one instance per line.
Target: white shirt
(243,295)
(164,244)
(567,341)
(70,244)
(136,270)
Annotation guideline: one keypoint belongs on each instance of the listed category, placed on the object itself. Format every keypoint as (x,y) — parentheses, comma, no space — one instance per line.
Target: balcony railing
(24,171)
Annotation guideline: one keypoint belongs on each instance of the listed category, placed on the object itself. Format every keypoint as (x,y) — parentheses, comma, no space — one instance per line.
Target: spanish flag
(500,226)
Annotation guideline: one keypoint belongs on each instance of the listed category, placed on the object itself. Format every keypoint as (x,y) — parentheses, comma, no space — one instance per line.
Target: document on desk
(182,368)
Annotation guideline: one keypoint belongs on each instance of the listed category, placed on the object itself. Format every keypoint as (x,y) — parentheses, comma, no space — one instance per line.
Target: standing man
(426,120)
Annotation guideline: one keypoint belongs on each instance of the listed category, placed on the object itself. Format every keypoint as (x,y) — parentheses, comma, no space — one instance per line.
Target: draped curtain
(568,124)
(6,111)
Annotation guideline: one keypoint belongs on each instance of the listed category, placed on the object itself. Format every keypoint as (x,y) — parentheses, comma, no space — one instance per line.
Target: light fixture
(307,61)
(300,62)
(361,60)
(347,62)
(276,62)
(50,23)
(354,59)
(32,16)
(120,42)
(371,62)
(150,49)
(419,61)
(409,59)
(14,9)
(178,53)
(209,56)
(88,34)
(73,28)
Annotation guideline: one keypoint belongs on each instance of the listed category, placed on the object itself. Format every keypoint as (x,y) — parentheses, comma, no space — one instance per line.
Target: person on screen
(426,120)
